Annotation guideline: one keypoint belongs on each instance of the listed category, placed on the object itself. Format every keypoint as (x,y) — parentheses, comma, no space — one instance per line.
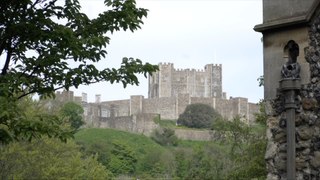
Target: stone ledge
(287,22)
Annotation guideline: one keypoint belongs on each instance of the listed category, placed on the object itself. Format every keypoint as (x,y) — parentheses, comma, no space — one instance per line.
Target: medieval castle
(169,82)
(170,91)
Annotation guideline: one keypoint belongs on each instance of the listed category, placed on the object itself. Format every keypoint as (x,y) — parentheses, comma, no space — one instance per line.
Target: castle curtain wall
(165,106)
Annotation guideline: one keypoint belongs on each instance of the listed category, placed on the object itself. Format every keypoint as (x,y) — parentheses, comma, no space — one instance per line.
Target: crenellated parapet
(169,82)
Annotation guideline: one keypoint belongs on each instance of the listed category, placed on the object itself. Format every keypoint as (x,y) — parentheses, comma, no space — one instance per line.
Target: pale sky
(190,34)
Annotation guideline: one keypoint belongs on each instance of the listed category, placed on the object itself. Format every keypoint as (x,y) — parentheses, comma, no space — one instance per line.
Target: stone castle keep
(169,82)
(170,91)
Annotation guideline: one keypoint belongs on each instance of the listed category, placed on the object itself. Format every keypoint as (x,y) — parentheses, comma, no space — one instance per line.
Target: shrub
(46,158)
(198,116)
(165,137)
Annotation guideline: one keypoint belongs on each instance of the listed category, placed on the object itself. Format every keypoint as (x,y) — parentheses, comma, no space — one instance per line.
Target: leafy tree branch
(41,51)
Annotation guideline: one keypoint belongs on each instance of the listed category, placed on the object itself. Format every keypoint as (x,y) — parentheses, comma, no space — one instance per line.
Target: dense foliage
(27,119)
(165,136)
(123,160)
(139,155)
(46,45)
(247,146)
(198,116)
(72,113)
(48,159)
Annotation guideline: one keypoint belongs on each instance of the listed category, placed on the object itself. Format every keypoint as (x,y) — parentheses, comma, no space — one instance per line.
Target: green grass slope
(138,143)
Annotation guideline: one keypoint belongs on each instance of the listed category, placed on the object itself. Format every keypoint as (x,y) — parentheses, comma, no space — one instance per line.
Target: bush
(165,137)
(46,158)
(72,112)
(198,116)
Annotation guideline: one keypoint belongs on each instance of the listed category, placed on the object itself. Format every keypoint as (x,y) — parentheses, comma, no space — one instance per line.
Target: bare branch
(35,3)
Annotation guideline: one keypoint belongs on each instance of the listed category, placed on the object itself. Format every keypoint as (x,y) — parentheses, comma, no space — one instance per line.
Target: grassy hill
(135,156)
(139,144)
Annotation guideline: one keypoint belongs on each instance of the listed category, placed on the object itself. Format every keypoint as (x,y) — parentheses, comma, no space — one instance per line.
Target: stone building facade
(293,133)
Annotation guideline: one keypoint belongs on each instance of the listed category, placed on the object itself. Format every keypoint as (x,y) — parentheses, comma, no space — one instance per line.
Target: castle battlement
(166,64)
(205,82)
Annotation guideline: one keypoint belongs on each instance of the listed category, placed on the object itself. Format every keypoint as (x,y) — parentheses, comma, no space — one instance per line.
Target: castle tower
(215,85)
(160,83)
(153,85)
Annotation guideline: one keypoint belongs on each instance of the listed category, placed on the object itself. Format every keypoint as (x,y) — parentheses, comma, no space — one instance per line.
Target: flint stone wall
(307,121)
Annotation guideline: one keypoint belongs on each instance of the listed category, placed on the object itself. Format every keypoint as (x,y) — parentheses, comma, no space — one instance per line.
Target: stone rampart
(139,123)
(224,107)
(165,106)
(170,107)
(196,135)
(199,135)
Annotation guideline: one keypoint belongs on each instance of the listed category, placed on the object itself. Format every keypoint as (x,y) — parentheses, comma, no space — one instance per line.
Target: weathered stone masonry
(170,82)
(299,21)
(169,108)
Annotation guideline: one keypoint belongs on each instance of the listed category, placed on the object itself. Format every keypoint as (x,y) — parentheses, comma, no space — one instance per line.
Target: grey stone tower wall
(170,82)
(183,81)
(165,80)
(216,79)
(153,82)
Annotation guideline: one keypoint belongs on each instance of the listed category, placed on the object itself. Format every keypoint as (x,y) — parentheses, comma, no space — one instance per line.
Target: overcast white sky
(190,34)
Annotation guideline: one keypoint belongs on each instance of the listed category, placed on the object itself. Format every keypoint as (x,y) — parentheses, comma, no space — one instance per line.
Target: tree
(73,113)
(248,146)
(207,162)
(123,159)
(46,46)
(164,137)
(27,119)
(48,159)
(198,116)
(156,164)
(238,133)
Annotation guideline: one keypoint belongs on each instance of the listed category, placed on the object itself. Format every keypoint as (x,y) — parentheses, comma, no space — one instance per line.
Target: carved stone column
(290,89)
